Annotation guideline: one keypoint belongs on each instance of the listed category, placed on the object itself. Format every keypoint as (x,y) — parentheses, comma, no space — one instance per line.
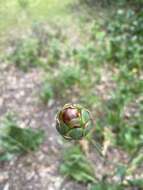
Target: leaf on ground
(16,140)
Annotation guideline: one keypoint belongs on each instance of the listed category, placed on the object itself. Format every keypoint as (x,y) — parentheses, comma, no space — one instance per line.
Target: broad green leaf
(76,133)
(62,128)
(85,116)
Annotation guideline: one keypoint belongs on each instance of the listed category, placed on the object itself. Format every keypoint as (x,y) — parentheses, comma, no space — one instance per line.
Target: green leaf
(22,140)
(85,116)
(62,128)
(138,160)
(76,166)
(76,133)
(15,140)
(88,128)
(136,182)
(6,156)
(121,170)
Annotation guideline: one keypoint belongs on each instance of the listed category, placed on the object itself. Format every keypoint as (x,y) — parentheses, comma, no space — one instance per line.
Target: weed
(25,54)
(54,52)
(15,140)
(85,56)
(41,48)
(76,166)
(47,92)
(125,38)
(65,78)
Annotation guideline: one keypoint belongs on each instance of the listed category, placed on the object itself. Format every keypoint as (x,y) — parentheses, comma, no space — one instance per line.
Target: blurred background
(54,52)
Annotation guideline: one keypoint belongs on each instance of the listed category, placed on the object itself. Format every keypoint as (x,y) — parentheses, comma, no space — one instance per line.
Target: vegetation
(102,70)
(15,140)
(76,166)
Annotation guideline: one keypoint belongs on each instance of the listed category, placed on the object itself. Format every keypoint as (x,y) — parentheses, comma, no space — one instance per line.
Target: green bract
(73,122)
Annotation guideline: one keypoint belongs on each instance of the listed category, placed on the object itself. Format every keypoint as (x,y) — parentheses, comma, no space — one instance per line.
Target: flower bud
(73,122)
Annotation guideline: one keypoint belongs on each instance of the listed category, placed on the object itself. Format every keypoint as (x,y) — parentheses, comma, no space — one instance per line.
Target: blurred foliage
(136,183)
(76,165)
(120,40)
(25,54)
(15,140)
(23,3)
(126,38)
(60,84)
(85,56)
(111,2)
(106,186)
(41,48)
(23,13)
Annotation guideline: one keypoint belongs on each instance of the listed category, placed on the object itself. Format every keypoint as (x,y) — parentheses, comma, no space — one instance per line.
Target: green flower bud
(73,122)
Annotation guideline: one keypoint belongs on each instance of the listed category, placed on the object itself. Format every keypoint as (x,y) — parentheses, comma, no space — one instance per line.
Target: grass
(61,84)
(19,15)
(38,10)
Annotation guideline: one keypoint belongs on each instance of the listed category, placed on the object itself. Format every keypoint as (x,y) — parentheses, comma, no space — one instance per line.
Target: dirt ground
(19,93)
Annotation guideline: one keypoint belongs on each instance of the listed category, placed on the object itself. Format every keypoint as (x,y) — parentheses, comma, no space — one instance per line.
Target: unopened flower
(73,122)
